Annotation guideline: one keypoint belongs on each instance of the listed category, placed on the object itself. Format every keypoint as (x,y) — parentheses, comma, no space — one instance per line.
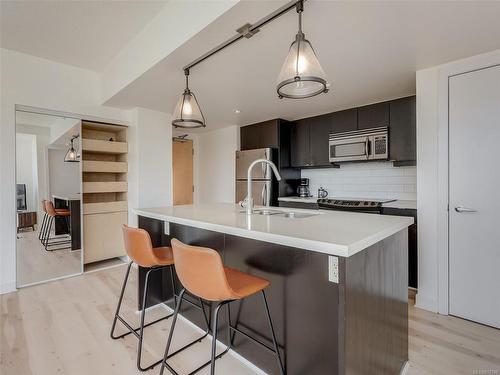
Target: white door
(474,183)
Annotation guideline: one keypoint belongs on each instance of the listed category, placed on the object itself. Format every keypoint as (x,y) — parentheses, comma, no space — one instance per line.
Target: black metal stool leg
(141,332)
(275,344)
(42,226)
(171,333)
(120,301)
(214,337)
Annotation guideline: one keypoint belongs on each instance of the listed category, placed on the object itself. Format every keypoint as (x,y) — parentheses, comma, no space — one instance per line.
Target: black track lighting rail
(247,31)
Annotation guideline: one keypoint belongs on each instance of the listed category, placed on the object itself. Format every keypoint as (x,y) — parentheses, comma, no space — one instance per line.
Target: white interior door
(474,183)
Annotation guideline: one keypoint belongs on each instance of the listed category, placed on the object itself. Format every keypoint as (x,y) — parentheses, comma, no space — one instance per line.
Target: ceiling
(370,52)
(60,129)
(86,34)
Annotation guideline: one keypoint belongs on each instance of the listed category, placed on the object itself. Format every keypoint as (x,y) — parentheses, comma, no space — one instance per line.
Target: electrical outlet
(333,269)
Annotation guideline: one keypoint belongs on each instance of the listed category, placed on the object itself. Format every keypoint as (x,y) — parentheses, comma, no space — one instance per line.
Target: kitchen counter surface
(332,232)
(402,204)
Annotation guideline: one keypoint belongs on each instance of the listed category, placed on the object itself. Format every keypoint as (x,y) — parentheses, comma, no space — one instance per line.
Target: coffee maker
(303,188)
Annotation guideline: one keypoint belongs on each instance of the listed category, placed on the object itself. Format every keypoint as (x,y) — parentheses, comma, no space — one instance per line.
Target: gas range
(357,205)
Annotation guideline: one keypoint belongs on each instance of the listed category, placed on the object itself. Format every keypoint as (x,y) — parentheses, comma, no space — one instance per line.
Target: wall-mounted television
(21,197)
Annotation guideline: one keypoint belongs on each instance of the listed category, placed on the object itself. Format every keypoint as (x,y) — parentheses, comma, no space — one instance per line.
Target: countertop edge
(305,244)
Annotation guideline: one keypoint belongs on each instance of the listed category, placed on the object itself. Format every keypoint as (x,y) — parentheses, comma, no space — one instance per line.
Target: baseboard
(425,303)
(7,288)
(405,369)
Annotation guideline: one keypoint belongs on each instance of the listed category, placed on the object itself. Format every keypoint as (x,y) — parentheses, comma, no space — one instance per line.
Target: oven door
(349,149)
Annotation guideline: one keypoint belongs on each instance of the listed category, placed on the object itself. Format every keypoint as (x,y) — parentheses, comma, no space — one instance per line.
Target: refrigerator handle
(264,193)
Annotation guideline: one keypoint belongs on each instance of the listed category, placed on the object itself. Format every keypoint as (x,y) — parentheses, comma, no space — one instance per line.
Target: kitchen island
(338,293)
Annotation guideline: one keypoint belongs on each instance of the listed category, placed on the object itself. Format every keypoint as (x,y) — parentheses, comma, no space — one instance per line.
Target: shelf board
(105,187)
(104,147)
(104,166)
(104,207)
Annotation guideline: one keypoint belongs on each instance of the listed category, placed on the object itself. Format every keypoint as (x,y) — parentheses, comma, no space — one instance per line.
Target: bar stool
(202,273)
(141,252)
(45,217)
(52,214)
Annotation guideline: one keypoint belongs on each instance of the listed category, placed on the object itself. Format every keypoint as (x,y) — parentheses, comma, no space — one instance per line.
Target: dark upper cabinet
(299,144)
(374,115)
(403,131)
(309,139)
(343,121)
(319,131)
(261,135)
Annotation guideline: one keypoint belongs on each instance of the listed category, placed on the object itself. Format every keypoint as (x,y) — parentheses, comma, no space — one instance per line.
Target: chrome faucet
(249,207)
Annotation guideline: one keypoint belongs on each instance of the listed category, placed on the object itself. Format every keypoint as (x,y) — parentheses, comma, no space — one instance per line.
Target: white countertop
(337,233)
(73,197)
(403,204)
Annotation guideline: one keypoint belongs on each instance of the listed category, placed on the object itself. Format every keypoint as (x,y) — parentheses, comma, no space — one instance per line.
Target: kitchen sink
(264,211)
(288,215)
(296,215)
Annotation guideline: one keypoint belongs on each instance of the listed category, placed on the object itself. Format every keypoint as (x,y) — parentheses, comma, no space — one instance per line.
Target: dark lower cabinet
(412,235)
(412,243)
(308,206)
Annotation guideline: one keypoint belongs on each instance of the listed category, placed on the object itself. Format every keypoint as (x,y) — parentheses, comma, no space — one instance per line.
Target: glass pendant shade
(187,113)
(301,75)
(72,156)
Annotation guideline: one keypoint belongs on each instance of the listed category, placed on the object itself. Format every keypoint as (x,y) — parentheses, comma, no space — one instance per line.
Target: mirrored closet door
(48,197)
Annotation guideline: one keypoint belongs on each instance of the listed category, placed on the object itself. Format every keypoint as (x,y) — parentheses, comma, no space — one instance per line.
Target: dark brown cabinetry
(26,220)
(364,315)
(309,137)
(261,135)
(412,242)
(403,131)
(373,115)
(275,134)
(344,121)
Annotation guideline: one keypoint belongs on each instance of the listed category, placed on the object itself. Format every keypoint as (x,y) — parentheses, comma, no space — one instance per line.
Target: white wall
(432,171)
(214,165)
(64,178)
(150,160)
(26,168)
(365,180)
(32,81)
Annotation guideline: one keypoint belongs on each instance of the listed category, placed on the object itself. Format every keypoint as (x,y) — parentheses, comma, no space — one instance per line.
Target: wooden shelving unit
(105,186)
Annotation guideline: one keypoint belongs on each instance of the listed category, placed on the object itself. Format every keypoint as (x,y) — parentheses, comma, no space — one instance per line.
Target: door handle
(264,191)
(461,209)
(367,148)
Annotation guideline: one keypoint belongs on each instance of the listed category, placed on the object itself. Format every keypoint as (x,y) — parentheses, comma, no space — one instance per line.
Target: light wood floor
(63,328)
(34,264)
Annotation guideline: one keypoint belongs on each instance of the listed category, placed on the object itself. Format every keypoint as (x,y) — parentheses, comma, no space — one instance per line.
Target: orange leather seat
(203,274)
(51,211)
(244,284)
(140,249)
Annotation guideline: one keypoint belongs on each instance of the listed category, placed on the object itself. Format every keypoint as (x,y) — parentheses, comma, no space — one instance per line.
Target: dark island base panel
(358,326)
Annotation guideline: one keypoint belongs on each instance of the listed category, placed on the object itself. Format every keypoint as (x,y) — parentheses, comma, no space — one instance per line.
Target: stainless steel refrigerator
(264,189)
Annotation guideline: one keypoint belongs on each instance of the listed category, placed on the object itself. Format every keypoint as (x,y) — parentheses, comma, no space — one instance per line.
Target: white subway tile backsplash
(365,180)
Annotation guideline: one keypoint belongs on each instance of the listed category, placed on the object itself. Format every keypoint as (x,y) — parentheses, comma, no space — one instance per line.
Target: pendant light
(301,75)
(187,112)
(72,156)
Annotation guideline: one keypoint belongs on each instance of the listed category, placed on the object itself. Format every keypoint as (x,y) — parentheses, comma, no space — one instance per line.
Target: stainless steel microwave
(366,144)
